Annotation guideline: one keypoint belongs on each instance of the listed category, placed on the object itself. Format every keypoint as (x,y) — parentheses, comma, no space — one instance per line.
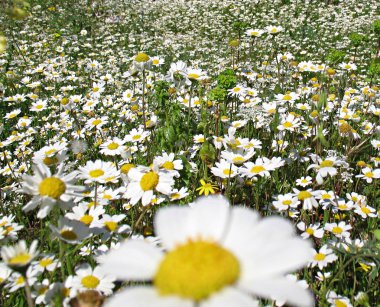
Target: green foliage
(227,79)
(217,94)
(376,26)
(357,39)
(335,56)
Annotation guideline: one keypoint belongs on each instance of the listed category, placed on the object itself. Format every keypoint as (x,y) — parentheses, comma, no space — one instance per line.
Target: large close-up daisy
(214,255)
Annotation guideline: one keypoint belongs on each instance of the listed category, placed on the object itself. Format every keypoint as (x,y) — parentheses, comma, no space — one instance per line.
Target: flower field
(189,153)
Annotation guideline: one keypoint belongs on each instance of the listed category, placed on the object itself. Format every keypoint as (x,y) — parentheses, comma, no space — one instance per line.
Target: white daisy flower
(323,257)
(70,231)
(144,182)
(98,171)
(216,255)
(48,189)
(19,256)
(339,230)
(224,169)
(95,279)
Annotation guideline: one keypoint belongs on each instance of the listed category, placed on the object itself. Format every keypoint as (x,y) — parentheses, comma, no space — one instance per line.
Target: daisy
(49,190)
(168,163)
(307,197)
(337,300)
(237,157)
(224,169)
(47,263)
(339,230)
(304,182)
(178,194)
(137,135)
(369,174)
(289,123)
(19,256)
(38,106)
(88,216)
(324,167)
(98,172)
(113,147)
(111,224)
(96,123)
(41,288)
(365,211)
(254,32)
(274,29)
(323,257)
(285,202)
(70,231)
(144,182)
(95,279)
(205,263)
(311,230)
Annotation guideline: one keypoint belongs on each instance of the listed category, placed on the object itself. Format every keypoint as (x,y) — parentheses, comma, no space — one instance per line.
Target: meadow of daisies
(189,153)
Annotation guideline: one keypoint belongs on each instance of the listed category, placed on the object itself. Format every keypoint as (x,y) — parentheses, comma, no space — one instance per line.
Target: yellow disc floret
(149,181)
(195,270)
(20,259)
(142,57)
(52,187)
(90,282)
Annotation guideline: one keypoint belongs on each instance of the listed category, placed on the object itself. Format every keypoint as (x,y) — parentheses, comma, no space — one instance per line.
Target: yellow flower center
(113,146)
(90,282)
(50,160)
(155,62)
(368,175)
(287,202)
(96,122)
(126,168)
(20,280)
(149,181)
(365,210)
(96,173)
(227,172)
(319,257)
(337,230)
(326,163)
(68,235)
(238,160)
(168,165)
(193,270)
(110,226)
(45,262)
(193,76)
(20,259)
(86,219)
(287,124)
(175,195)
(136,137)
(52,187)
(309,231)
(287,97)
(142,57)
(257,169)
(339,303)
(302,195)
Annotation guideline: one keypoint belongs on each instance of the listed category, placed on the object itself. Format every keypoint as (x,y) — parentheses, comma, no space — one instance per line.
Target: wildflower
(224,169)
(323,257)
(19,256)
(98,171)
(339,230)
(48,189)
(207,188)
(204,260)
(95,279)
(369,174)
(311,230)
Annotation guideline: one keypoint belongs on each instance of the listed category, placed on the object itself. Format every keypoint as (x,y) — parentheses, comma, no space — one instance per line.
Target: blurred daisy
(70,231)
(19,256)
(205,262)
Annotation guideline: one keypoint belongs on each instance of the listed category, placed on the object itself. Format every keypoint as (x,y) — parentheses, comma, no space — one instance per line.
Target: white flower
(215,256)
(19,256)
(339,230)
(323,257)
(48,189)
(98,171)
(224,169)
(95,279)
(369,174)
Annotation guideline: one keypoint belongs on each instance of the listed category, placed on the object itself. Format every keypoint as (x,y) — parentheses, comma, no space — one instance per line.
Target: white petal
(230,297)
(170,224)
(145,297)
(241,224)
(133,260)
(282,289)
(208,217)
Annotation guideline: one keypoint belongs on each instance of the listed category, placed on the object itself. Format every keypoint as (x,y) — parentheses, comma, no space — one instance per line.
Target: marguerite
(215,256)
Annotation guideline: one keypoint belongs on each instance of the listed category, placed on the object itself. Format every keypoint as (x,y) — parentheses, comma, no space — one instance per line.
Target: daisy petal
(134,260)
(282,289)
(145,297)
(230,297)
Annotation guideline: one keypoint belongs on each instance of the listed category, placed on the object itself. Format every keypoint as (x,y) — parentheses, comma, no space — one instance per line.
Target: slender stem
(143,97)
(28,293)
